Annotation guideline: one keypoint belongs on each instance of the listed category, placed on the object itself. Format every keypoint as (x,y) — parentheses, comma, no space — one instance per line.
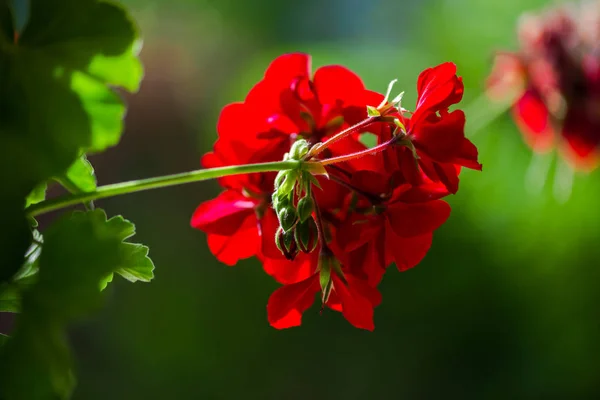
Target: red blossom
(554,81)
(376,206)
(351,296)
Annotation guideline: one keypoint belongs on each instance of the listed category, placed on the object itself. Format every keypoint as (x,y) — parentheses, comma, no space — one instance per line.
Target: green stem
(155,183)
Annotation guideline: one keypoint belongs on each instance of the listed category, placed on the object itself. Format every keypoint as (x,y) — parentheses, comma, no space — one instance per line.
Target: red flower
(336,234)
(351,296)
(437,134)
(554,82)
(232,222)
(392,222)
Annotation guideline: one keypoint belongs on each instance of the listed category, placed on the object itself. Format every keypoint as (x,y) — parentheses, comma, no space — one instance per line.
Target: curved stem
(155,183)
(362,153)
(322,146)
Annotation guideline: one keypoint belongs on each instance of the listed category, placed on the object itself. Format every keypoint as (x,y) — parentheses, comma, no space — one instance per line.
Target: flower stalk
(139,185)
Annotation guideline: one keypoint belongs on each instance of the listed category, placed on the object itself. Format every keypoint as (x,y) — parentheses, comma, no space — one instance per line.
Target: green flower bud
(286,243)
(306,235)
(287,218)
(299,149)
(305,207)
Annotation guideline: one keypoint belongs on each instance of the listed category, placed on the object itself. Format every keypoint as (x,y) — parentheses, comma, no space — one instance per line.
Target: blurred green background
(504,306)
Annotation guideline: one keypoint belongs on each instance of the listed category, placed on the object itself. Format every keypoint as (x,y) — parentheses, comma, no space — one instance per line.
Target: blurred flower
(554,80)
(335,228)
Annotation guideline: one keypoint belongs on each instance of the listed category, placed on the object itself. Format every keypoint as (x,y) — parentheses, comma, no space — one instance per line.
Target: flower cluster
(337,221)
(555,79)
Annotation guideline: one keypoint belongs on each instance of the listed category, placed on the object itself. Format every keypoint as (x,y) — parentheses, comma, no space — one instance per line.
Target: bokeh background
(506,304)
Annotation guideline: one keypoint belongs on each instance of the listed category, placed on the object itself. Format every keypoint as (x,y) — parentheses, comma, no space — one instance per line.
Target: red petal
(407,252)
(287,304)
(408,220)
(354,113)
(263,99)
(353,145)
(287,67)
(331,196)
(358,300)
(371,182)
(223,215)
(442,140)
(244,243)
(426,191)
(448,175)
(582,139)
(358,230)
(335,83)
(268,227)
(438,88)
(533,119)
(231,121)
(367,262)
(287,272)
(468,155)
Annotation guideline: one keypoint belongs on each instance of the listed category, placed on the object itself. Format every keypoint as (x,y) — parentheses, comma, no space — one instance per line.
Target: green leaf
(10,298)
(57,100)
(80,250)
(37,194)
(80,177)
(10,292)
(139,266)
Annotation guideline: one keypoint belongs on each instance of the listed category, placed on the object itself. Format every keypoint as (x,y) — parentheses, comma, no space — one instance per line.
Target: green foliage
(55,100)
(57,79)
(10,292)
(37,194)
(79,177)
(80,250)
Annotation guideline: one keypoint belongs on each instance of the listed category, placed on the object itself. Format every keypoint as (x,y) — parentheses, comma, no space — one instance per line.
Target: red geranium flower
(554,81)
(391,222)
(351,296)
(335,234)
(435,134)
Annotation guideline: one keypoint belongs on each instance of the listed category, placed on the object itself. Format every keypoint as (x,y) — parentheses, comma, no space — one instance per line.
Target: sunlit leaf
(80,250)
(57,101)
(79,177)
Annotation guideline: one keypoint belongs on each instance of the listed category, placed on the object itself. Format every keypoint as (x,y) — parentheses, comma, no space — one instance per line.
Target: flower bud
(299,149)
(325,264)
(286,243)
(286,183)
(287,218)
(305,208)
(306,235)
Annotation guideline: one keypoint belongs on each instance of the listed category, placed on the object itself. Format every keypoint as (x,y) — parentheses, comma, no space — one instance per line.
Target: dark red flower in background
(555,81)
(375,206)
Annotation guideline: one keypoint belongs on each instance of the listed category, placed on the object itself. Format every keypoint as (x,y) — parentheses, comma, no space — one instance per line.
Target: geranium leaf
(79,177)
(80,250)
(56,80)
(10,292)
(37,194)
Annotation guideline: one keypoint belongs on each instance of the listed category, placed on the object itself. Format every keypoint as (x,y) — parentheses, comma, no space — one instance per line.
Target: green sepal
(299,149)
(373,111)
(325,278)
